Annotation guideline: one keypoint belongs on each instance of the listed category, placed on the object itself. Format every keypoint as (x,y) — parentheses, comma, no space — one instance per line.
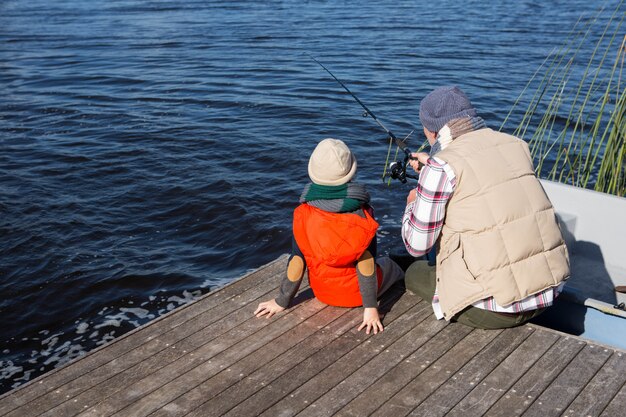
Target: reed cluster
(575,119)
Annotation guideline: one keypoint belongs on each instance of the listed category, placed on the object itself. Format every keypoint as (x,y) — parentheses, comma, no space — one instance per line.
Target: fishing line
(398,168)
(385,175)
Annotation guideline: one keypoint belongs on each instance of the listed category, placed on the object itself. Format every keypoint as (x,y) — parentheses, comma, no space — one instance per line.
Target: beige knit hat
(331,163)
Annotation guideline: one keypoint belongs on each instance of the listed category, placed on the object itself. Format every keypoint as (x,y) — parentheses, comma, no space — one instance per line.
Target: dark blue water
(151,151)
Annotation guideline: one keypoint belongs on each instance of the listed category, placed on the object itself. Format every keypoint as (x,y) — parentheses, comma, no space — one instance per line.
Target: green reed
(575,121)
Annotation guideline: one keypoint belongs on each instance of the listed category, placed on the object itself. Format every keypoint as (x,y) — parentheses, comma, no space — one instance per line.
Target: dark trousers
(420,279)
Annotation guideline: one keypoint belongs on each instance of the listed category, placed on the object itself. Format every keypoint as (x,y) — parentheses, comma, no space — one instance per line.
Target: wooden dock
(213,358)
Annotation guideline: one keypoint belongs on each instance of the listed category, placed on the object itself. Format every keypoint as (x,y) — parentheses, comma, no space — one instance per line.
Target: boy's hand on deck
(371,321)
(268,308)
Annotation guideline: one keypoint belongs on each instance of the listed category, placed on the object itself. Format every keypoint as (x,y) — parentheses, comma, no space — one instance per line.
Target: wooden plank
(167,383)
(617,405)
(332,375)
(564,389)
(118,372)
(272,382)
(273,370)
(196,396)
(405,311)
(372,370)
(197,342)
(522,394)
(601,389)
(436,373)
(458,385)
(270,371)
(51,381)
(394,380)
(225,329)
(486,393)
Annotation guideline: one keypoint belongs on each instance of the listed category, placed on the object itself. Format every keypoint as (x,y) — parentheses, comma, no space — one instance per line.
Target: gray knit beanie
(442,105)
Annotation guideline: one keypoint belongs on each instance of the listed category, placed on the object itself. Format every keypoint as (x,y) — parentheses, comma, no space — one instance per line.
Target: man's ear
(431,136)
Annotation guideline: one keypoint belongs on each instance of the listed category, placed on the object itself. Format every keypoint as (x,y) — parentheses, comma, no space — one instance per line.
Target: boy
(334,236)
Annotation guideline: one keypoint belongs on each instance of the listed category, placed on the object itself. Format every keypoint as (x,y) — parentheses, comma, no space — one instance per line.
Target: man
(500,256)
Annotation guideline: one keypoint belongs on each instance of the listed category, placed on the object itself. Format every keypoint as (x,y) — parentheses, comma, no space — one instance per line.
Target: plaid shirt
(422,222)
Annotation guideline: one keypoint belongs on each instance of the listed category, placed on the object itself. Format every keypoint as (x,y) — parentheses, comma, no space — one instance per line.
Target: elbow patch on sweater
(366,264)
(295,269)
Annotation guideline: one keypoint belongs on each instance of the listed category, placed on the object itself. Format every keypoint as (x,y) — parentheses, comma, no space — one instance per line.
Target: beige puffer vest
(500,237)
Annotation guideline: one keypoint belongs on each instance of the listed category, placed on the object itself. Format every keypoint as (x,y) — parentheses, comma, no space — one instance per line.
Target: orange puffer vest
(331,244)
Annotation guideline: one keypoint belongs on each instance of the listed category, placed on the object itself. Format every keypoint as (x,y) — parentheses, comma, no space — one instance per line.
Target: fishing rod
(397,169)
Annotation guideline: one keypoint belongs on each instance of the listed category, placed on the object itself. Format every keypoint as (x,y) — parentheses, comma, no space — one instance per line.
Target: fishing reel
(397,170)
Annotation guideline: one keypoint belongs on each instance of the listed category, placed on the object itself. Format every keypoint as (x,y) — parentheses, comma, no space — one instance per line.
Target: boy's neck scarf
(455,128)
(336,198)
